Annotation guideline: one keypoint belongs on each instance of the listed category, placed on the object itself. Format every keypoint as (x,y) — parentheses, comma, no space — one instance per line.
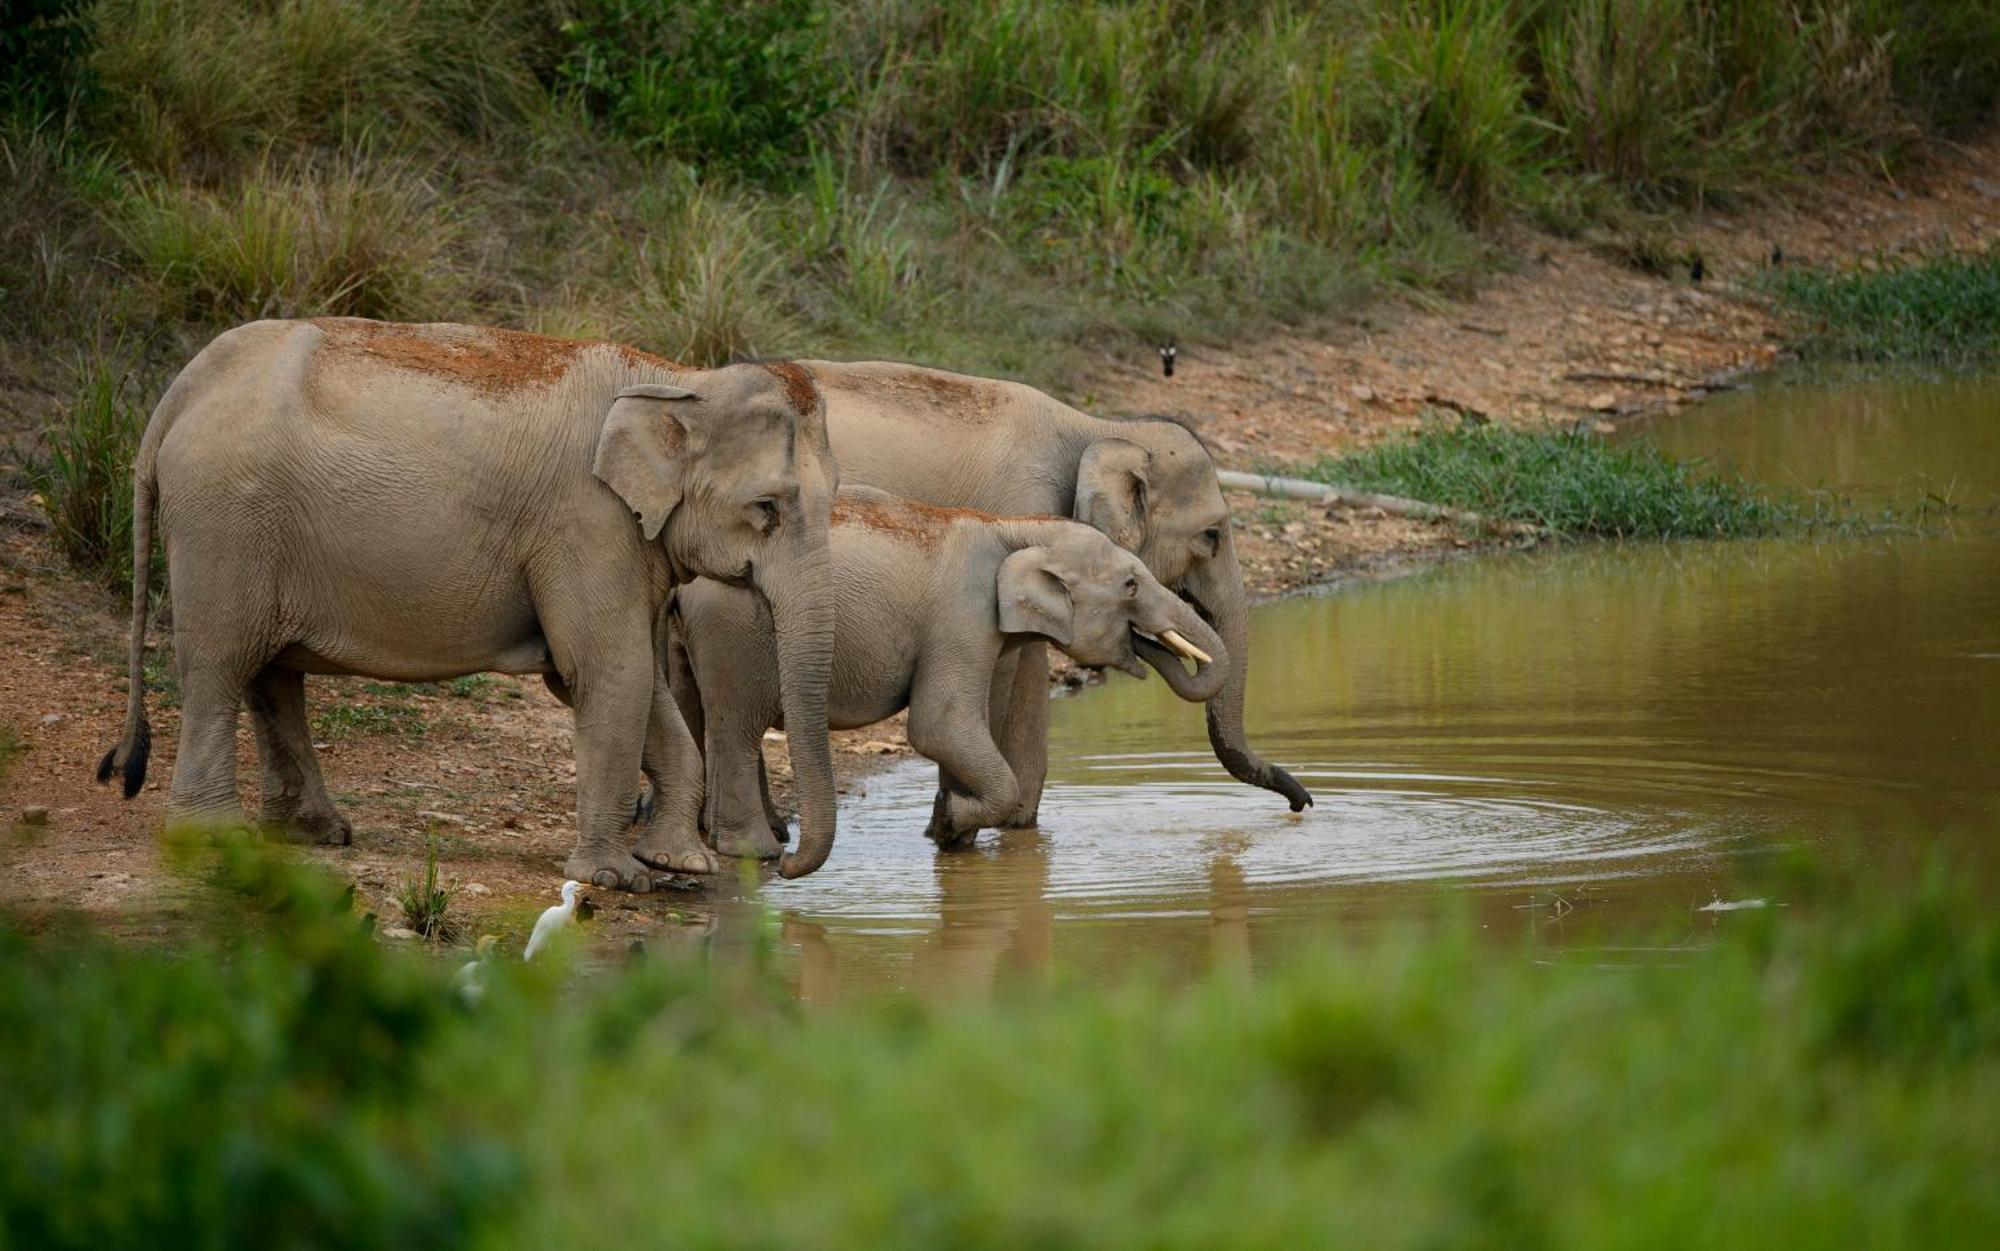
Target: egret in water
(469,983)
(552,920)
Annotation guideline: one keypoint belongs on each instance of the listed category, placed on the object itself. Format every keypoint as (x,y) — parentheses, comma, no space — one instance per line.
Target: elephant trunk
(802,614)
(1177,617)
(1218,593)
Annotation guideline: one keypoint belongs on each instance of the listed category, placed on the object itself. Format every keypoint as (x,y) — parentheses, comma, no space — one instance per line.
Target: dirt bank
(1569,334)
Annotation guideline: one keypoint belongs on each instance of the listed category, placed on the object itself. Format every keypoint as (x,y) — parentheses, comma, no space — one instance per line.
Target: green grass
(344,242)
(1821,1073)
(426,901)
(84,479)
(1571,484)
(384,716)
(1941,310)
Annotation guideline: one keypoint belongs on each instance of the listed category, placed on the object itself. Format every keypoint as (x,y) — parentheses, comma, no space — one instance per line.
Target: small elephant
(1006,448)
(417,502)
(926,603)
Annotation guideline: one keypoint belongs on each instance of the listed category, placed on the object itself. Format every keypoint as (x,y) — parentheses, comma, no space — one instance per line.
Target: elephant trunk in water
(802,614)
(1217,590)
(1183,633)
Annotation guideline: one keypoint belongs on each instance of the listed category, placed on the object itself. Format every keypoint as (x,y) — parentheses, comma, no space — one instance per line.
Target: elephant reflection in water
(995,921)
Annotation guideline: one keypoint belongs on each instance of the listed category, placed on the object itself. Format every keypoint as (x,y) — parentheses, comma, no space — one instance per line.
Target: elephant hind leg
(295,796)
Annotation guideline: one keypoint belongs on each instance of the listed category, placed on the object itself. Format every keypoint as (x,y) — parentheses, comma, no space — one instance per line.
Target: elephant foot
(952,840)
(327,827)
(676,853)
(759,843)
(609,871)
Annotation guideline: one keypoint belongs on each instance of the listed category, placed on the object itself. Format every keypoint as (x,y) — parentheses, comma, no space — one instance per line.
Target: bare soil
(1568,334)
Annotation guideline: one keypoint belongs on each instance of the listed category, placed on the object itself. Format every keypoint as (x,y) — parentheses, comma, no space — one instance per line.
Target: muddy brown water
(1584,741)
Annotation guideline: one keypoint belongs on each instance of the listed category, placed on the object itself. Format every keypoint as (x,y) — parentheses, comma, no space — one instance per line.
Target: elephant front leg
(1020,703)
(612,706)
(671,839)
(977,787)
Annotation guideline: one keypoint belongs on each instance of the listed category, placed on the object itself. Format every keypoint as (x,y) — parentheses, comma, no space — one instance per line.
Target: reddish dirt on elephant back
(484,357)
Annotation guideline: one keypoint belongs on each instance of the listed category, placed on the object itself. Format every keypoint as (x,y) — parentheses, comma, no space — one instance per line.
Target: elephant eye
(764,516)
(1131,586)
(1209,541)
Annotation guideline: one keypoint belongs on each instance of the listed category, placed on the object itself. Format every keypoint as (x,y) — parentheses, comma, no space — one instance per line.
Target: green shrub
(268,1087)
(729,85)
(1572,484)
(1940,310)
(1815,1074)
(363,241)
(85,478)
(42,43)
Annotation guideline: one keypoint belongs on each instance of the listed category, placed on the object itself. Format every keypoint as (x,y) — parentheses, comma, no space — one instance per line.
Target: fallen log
(1340,497)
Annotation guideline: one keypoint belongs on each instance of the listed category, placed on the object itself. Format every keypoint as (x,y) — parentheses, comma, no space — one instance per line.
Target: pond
(1576,743)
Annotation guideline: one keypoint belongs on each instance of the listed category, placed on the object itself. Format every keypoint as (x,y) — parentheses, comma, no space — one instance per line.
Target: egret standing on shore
(552,920)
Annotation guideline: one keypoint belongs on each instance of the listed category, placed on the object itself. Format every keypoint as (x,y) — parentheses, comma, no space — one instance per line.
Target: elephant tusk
(1184,648)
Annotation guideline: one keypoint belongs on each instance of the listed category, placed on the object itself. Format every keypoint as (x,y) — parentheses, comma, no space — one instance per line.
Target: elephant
(418,502)
(1009,449)
(927,601)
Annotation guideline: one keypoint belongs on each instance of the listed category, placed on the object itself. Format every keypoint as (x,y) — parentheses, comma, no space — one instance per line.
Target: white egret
(552,920)
(469,983)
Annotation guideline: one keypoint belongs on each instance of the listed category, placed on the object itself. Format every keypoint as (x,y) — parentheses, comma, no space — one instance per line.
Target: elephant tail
(128,759)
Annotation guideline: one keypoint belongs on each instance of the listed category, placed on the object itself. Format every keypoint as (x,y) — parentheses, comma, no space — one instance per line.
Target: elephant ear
(1111,490)
(1033,597)
(640,452)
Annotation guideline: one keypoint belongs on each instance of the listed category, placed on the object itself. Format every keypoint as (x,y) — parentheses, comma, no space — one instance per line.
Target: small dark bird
(1167,357)
(1777,255)
(1696,270)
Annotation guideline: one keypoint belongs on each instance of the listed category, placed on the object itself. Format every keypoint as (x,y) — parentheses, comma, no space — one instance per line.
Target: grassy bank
(1937,311)
(1574,485)
(1827,1073)
(988,184)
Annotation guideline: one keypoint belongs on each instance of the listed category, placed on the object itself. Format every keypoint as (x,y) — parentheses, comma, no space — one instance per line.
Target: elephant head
(1152,489)
(730,470)
(1098,603)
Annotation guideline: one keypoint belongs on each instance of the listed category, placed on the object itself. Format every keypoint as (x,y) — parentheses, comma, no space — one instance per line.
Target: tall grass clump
(425,901)
(700,283)
(1942,310)
(200,86)
(1824,1073)
(354,240)
(1450,99)
(84,479)
(1570,484)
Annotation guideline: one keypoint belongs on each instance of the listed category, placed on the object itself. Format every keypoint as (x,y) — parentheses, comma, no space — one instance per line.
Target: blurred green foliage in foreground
(1827,1074)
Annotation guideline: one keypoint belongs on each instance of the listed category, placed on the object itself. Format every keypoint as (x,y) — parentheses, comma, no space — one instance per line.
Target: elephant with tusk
(1009,449)
(928,601)
(417,502)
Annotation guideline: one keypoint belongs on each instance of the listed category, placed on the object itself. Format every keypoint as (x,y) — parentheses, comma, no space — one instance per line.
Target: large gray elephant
(927,602)
(1009,449)
(415,502)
